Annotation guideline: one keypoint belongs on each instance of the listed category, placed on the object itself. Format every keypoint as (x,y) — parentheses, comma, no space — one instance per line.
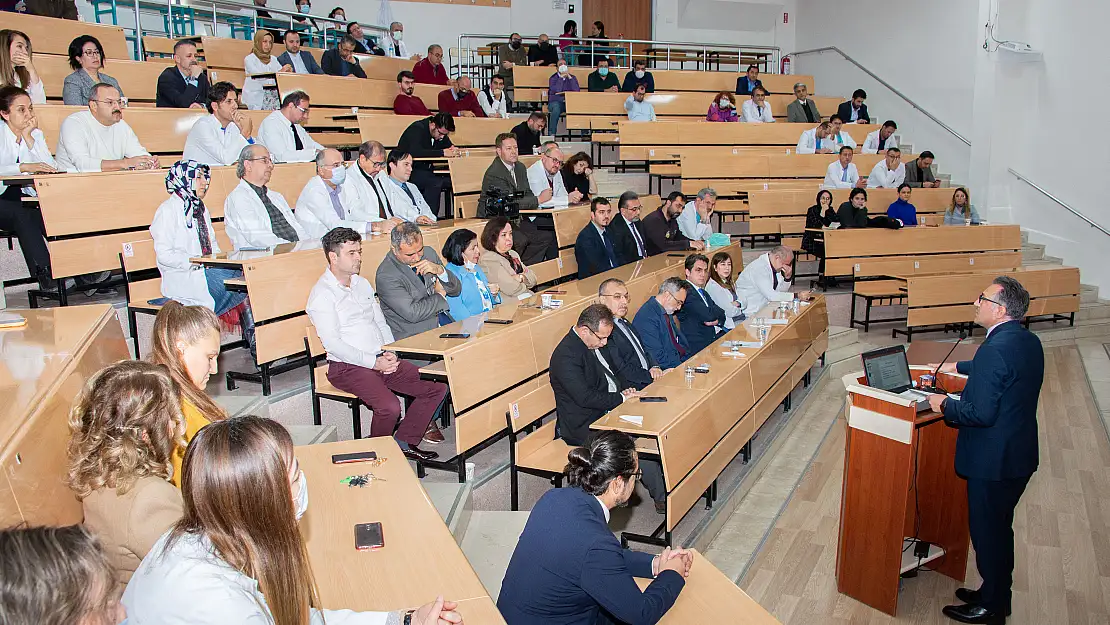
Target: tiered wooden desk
(708,591)
(345,93)
(52,35)
(598,111)
(878,252)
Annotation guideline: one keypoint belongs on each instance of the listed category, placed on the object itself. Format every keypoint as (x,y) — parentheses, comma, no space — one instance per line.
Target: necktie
(774,279)
(297,143)
(809,112)
(702,294)
(632,338)
(674,339)
(760,109)
(639,241)
(278,224)
(512,174)
(844,176)
(818,140)
(385,211)
(409,193)
(607,372)
(609,251)
(335,203)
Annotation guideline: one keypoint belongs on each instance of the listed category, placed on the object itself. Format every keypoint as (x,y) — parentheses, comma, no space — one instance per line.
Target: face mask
(515,45)
(562,69)
(302,497)
(338,175)
(640,73)
(469,265)
(543,45)
(604,71)
(724,104)
(398,35)
(304,8)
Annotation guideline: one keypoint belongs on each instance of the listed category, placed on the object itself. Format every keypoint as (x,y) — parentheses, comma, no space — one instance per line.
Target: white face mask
(398,35)
(338,175)
(562,69)
(469,265)
(304,8)
(724,104)
(640,73)
(301,501)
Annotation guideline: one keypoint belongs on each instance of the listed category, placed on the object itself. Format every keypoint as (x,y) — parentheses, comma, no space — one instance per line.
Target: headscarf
(262,56)
(179,182)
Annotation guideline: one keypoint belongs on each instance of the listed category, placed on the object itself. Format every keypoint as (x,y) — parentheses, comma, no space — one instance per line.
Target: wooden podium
(899,482)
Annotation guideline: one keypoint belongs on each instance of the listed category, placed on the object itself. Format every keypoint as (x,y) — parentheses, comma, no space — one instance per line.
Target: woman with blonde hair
(17,67)
(187,343)
(722,289)
(237,555)
(961,212)
(124,429)
(261,61)
(723,108)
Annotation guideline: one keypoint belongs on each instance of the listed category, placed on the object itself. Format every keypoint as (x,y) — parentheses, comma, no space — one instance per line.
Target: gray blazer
(309,61)
(796,114)
(497,177)
(915,175)
(78,86)
(409,301)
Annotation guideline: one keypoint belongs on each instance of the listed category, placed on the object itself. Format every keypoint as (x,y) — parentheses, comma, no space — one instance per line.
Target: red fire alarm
(785,18)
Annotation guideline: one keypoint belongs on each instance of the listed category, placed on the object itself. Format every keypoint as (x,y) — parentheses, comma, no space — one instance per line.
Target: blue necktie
(409,193)
(609,251)
(844,176)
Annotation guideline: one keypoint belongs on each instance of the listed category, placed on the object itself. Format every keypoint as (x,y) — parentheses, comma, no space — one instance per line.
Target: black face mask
(515,44)
(543,45)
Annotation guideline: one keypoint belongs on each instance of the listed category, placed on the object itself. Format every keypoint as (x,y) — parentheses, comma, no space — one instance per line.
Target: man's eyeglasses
(558,161)
(303,110)
(90,53)
(617,296)
(110,102)
(638,474)
(596,335)
(984,298)
(264,159)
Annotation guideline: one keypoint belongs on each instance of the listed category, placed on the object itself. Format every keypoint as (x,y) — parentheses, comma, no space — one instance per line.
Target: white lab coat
(211,144)
(807,144)
(190,585)
(13,151)
(537,181)
(247,222)
(37,91)
(404,206)
(274,133)
(689,225)
(871,142)
(493,108)
(755,287)
(253,90)
(84,142)
(881,177)
(396,49)
(175,242)
(843,139)
(721,297)
(318,216)
(366,208)
(835,178)
(750,114)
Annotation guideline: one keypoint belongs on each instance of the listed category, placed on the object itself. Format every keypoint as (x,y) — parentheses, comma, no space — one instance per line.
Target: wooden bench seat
(52,35)
(531,81)
(876,293)
(587,110)
(871,252)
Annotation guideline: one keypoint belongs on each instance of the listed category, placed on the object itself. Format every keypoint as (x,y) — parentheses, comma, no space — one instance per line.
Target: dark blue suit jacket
(845,112)
(742,85)
(589,253)
(997,411)
(651,322)
(569,569)
(309,61)
(693,315)
(620,351)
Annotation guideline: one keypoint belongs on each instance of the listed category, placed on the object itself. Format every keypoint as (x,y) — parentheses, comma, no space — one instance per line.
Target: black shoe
(661,507)
(970,613)
(968,595)
(415,453)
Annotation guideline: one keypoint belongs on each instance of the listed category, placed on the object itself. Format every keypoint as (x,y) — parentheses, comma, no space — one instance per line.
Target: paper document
(637,419)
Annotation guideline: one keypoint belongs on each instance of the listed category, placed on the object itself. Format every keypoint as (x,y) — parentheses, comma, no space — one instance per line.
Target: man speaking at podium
(996,449)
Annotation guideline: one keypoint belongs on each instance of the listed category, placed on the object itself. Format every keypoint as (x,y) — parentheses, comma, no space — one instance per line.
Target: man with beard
(406,103)
(662,232)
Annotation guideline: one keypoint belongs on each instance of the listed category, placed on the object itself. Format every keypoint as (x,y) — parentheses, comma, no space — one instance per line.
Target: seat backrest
(51,35)
(137,260)
(532,407)
(315,346)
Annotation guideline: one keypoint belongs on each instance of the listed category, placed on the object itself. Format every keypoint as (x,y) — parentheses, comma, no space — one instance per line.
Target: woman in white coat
(260,61)
(722,289)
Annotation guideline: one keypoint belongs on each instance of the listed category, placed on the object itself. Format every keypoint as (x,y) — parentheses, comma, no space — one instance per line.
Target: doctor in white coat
(767,279)
(817,141)
(368,178)
(408,203)
(888,173)
(217,139)
(880,139)
(838,136)
(252,222)
(757,110)
(842,173)
(283,133)
(330,201)
(696,219)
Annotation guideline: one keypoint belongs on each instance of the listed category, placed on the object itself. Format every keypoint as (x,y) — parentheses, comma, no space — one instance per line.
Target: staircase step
(840,336)
(489,542)
(454,503)
(1088,294)
(1032,251)
(1092,311)
(1024,236)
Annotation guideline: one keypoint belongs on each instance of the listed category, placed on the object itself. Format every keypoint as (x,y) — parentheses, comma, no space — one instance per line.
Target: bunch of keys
(360,480)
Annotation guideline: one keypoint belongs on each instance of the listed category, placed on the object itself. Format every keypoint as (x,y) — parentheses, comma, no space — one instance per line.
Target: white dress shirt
(871,142)
(175,242)
(190,585)
(396,49)
(84,142)
(755,286)
(689,222)
(14,151)
(639,111)
(881,177)
(751,114)
(407,206)
(842,139)
(807,144)
(253,89)
(539,181)
(493,108)
(274,133)
(298,63)
(366,208)
(212,144)
(836,178)
(348,320)
(37,90)
(317,214)
(633,231)
(723,298)
(247,222)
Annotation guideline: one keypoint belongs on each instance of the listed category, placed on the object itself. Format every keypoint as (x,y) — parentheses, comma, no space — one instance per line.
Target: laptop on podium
(889,369)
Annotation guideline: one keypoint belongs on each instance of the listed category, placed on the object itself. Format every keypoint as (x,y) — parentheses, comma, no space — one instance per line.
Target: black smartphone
(655,400)
(702,369)
(358,456)
(369,536)
(454,335)
(676,255)
(503,322)
(555,292)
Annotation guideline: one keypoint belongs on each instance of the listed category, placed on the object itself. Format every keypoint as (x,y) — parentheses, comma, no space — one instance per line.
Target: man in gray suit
(413,285)
(509,176)
(301,61)
(802,110)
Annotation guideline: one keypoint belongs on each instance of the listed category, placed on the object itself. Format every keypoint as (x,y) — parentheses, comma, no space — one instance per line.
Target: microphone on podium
(934,388)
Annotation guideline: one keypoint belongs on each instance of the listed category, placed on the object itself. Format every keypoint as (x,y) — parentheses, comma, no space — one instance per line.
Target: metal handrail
(884,83)
(1066,206)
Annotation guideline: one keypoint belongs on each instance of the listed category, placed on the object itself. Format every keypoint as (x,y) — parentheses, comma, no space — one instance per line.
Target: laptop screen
(887,369)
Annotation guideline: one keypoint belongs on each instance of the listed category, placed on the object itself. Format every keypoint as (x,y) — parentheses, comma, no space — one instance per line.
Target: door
(623,19)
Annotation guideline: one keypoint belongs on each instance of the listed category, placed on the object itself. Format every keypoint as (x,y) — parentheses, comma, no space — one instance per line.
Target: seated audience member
(367,176)
(696,219)
(353,329)
(802,110)
(593,249)
(429,138)
(460,101)
(625,349)
(300,60)
(919,172)
(767,279)
(255,216)
(854,111)
(578,175)
(528,133)
(602,79)
(217,139)
(304,7)
(961,212)
(407,202)
(99,140)
(508,176)
(405,103)
(558,85)
(661,230)
(749,82)
(430,70)
(462,253)
(658,330)
(17,67)
(395,45)
(820,215)
(259,12)
(837,135)
(701,318)
(625,228)
(261,60)
(124,428)
(723,108)
(756,110)
(23,150)
(879,140)
(494,100)
(721,288)
(568,567)
(639,109)
(341,60)
(327,202)
(901,209)
(56,576)
(543,53)
(222,558)
(412,284)
(570,31)
(363,44)
(86,57)
(638,76)
(510,55)
(842,173)
(545,178)
(888,173)
(817,140)
(338,13)
(185,85)
(283,133)
(853,213)
(501,264)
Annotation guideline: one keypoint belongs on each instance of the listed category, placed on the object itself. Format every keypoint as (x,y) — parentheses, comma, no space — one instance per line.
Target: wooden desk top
(420,559)
(708,592)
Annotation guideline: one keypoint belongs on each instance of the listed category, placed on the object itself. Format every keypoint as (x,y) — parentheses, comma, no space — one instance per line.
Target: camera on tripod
(503,203)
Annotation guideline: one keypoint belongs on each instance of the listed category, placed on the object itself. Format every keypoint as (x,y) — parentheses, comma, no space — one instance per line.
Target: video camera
(500,202)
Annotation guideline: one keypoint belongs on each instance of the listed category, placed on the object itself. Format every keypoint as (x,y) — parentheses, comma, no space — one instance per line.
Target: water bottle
(689,376)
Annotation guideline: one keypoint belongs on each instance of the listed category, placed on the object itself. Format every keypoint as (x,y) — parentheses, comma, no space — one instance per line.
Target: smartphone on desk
(653,399)
(676,255)
(358,456)
(553,292)
(368,536)
(454,335)
(503,322)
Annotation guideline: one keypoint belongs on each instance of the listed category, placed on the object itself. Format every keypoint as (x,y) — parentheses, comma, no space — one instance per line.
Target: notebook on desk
(889,370)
